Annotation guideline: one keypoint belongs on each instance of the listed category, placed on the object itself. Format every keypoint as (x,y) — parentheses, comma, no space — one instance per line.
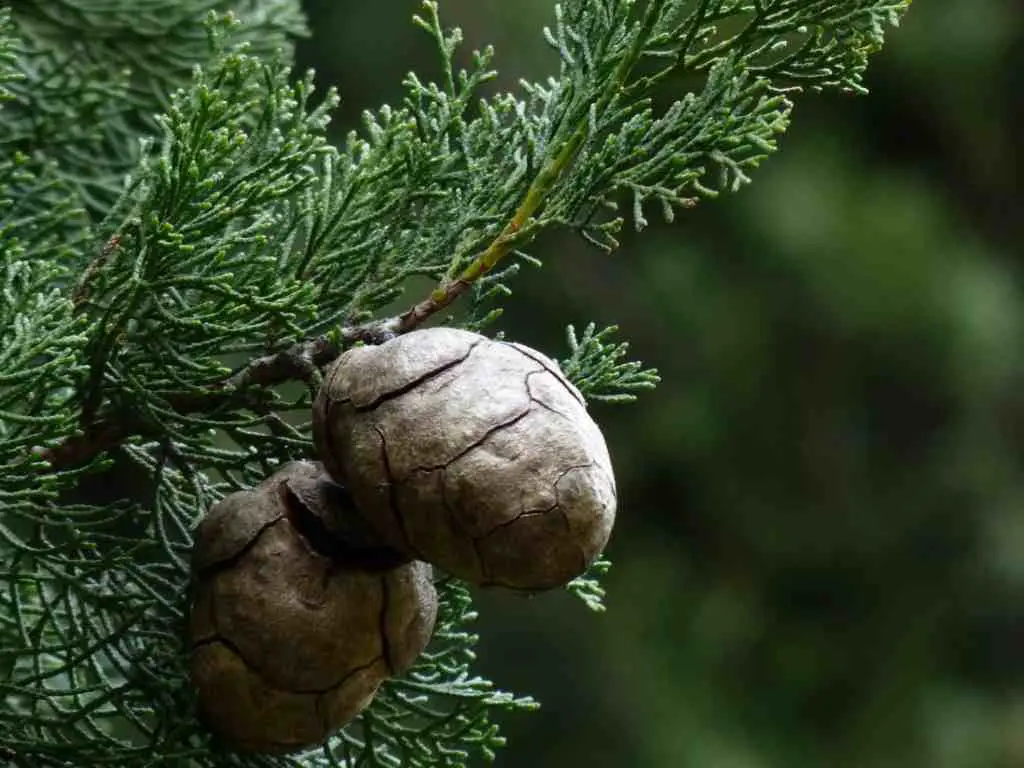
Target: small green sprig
(598,369)
(589,586)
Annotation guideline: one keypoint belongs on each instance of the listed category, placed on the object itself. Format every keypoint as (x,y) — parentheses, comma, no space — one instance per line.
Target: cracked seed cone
(289,639)
(475,455)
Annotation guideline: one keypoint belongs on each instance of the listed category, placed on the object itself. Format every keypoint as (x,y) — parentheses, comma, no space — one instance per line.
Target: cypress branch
(171,287)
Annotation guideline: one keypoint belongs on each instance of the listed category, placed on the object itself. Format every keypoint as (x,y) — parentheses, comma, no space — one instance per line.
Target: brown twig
(297,363)
(301,361)
(81,291)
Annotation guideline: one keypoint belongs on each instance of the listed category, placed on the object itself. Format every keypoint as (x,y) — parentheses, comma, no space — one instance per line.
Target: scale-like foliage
(171,286)
(94,75)
(598,370)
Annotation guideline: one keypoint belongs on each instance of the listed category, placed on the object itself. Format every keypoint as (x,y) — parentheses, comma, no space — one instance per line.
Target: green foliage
(94,75)
(8,56)
(596,367)
(204,264)
(240,232)
(588,587)
(39,339)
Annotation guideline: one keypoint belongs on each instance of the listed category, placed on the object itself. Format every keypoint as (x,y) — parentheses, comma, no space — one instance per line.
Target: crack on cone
(211,569)
(260,673)
(422,379)
(396,512)
(383,625)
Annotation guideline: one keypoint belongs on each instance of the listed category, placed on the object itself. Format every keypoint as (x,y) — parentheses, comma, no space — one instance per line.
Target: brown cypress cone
(291,633)
(476,455)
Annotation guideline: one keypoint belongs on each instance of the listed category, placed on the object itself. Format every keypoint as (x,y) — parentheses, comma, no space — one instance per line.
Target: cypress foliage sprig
(597,369)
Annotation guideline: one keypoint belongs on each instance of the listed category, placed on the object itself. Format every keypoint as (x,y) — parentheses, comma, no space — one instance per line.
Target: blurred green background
(819,557)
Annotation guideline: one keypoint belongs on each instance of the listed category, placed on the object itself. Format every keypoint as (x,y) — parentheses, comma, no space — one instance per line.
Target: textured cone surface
(289,644)
(476,455)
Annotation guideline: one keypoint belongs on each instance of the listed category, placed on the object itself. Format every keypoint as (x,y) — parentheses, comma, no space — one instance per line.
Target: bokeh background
(819,558)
